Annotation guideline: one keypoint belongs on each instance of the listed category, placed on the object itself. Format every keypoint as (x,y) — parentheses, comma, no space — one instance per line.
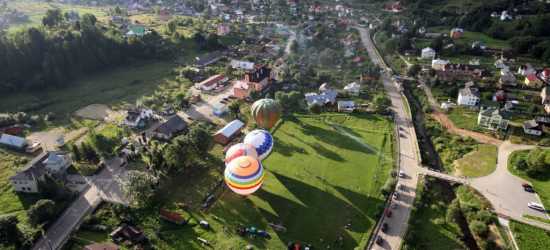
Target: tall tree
(171,26)
(380,102)
(315,109)
(253,94)
(76,153)
(51,188)
(235,109)
(200,138)
(9,232)
(414,70)
(41,212)
(138,188)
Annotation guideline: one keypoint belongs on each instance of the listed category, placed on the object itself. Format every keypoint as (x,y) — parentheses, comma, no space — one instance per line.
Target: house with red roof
(397,8)
(533,81)
(545,75)
(173,217)
(166,15)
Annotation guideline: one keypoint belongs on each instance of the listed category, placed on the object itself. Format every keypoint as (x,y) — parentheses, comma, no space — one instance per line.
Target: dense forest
(39,58)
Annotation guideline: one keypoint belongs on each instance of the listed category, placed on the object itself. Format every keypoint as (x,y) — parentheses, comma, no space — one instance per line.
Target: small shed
(228,132)
(219,109)
(173,217)
(169,111)
(60,142)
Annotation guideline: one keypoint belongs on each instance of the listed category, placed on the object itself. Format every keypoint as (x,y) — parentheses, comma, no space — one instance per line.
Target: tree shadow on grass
(27,200)
(287,149)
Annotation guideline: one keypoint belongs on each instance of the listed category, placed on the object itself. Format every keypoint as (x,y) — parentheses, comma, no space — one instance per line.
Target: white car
(399,186)
(395,195)
(535,206)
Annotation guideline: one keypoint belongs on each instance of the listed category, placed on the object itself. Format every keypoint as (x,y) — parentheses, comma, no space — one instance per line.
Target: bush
(50,116)
(544,143)
(478,228)
(393,173)
(439,221)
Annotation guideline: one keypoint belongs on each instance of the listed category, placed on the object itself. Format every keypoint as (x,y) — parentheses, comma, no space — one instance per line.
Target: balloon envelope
(244,175)
(262,141)
(266,112)
(240,149)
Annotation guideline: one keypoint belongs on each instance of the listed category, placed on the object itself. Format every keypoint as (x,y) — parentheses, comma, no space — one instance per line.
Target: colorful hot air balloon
(244,175)
(262,141)
(240,149)
(266,112)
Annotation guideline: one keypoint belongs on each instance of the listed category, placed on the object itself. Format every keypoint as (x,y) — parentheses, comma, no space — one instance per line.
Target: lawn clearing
(520,137)
(479,162)
(465,118)
(115,87)
(334,147)
(530,237)
(540,181)
(424,221)
(547,221)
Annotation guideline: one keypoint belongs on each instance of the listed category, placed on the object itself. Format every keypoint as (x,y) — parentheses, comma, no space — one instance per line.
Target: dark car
(526,185)
(223,102)
(190,118)
(226,99)
(388,213)
(378,240)
(210,198)
(384,227)
(529,189)
(122,163)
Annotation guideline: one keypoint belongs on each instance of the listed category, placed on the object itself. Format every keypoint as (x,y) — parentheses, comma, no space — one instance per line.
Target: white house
(532,127)
(439,64)
(353,89)
(242,65)
(428,53)
(526,69)
(468,97)
(136,116)
(346,106)
(53,163)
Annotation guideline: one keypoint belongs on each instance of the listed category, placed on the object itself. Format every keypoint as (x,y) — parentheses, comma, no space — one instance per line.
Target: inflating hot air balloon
(244,175)
(262,141)
(240,149)
(266,112)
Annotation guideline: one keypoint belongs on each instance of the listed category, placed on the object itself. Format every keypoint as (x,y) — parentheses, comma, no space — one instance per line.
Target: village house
(224,29)
(210,58)
(172,217)
(102,246)
(468,97)
(346,106)
(259,79)
(368,76)
(508,79)
(228,132)
(171,128)
(533,81)
(353,89)
(457,32)
(545,75)
(462,71)
(127,234)
(499,64)
(212,82)
(54,163)
(508,56)
(327,98)
(439,64)
(324,87)
(242,65)
(397,8)
(526,69)
(241,88)
(479,44)
(493,118)
(13,141)
(427,53)
(120,20)
(136,116)
(166,15)
(531,127)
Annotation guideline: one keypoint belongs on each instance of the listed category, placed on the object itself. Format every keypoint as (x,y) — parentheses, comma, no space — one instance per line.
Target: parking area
(202,110)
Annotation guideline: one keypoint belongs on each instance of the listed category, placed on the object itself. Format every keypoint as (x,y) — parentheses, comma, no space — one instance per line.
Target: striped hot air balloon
(266,112)
(244,175)
(262,141)
(240,149)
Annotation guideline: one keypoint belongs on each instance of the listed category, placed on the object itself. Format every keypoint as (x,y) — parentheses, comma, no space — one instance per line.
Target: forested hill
(38,58)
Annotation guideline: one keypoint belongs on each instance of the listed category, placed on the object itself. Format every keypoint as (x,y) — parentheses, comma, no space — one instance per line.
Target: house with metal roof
(13,141)
(171,128)
(54,163)
(227,133)
(327,98)
(346,106)
(532,127)
(212,82)
(210,58)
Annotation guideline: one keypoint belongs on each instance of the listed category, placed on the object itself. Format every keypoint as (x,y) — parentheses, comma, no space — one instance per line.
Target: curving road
(501,188)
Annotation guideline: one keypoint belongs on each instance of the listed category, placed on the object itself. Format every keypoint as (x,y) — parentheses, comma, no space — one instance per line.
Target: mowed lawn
(114,87)
(530,237)
(479,162)
(306,150)
(465,118)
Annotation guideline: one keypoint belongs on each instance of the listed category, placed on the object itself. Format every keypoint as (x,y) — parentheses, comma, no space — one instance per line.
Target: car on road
(384,227)
(226,99)
(526,185)
(535,206)
(378,240)
(191,118)
(222,101)
(399,186)
(393,205)
(388,213)
(122,163)
(395,195)
(529,189)
(401,173)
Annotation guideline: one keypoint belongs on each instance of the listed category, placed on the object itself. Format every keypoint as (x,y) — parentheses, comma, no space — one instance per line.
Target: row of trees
(537,161)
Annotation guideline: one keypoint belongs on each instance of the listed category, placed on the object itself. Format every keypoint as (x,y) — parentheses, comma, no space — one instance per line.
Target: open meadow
(530,237)
(319,166)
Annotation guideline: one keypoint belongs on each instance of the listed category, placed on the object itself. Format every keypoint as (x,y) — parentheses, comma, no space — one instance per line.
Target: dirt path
(47,138)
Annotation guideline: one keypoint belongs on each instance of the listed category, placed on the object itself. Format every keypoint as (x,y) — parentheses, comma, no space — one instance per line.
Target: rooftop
(230,128)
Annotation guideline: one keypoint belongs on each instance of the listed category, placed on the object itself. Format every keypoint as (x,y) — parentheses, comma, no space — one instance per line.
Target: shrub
(544,143)
(478,228)
(439,221)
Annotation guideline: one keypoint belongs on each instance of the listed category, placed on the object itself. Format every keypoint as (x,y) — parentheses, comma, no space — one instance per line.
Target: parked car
(384,227)
(210,198)
(535,206)
(191,118)
(223,101)
(399,186)
(529,189)
(378,240)
(393,205)
(226,99)
(122,163)
(401,173)
(232,97)
(388,213)
(247,100)
(204,224)
(526,185)
(395,194)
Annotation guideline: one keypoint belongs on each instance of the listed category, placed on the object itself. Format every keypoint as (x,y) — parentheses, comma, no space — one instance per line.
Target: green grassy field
(547,221)
(478,163)
(113,87)
(465,118)
(333,147)
(530,237)
(12,203)
(541,182)
(429,234)
(520,137)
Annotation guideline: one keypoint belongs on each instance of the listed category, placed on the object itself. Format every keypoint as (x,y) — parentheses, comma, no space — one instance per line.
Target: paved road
(407,157)
(100,186)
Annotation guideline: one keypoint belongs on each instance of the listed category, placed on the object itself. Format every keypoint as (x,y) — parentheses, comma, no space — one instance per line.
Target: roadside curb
(529,219)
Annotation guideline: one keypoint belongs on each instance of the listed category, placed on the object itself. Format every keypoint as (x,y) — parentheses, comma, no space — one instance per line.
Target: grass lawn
(465,59)
(331,146)
(430,235)
(519,137)
(12,203)
(547,221)
(465,118)
(113,87)
(93,235)
(530,237)
(540,181)
(478,163)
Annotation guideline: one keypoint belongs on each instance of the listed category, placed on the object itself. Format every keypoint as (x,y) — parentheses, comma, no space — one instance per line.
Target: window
(26,183)
(29,189)
(23,188)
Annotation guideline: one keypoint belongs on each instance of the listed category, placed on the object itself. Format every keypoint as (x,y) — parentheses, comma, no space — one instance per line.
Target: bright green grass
(465,59)
(547,221)
(530,237)
(541,182)
(465,118)
(12,203)
(520,137)
(93,235)
(112,87)
(430,235)
(478,163)
(306,148)
(472,37)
